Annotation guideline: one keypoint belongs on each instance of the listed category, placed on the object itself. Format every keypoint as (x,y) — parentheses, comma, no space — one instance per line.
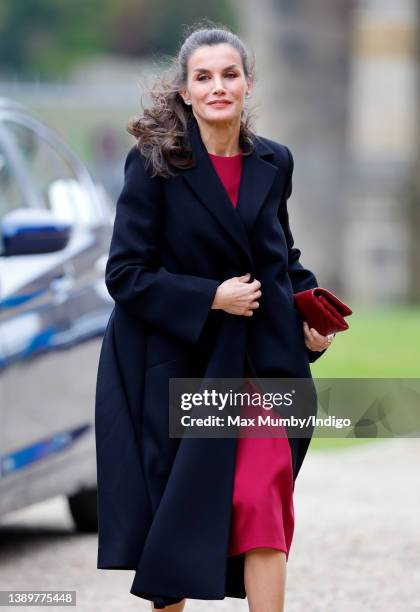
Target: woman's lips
(219,103)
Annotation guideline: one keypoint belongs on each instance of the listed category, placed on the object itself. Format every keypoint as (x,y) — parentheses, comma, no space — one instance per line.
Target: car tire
(84,510)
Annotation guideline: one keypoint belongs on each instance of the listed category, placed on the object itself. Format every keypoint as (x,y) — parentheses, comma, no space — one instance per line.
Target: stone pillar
(381,140)
(302,52)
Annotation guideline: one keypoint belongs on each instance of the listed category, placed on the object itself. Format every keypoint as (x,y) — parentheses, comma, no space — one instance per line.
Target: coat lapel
(257,178)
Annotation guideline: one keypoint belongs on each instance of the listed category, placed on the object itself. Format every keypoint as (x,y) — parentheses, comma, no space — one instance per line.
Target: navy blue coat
(164,504)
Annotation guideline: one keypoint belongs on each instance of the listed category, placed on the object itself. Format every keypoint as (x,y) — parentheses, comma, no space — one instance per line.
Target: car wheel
(84,511)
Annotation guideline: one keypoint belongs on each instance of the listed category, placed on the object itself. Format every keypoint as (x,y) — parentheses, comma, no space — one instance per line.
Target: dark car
(55,230)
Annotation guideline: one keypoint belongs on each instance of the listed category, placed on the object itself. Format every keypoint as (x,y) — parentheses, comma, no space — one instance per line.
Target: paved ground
(356,546)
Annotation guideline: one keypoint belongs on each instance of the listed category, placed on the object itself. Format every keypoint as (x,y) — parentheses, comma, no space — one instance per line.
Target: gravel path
(356,546)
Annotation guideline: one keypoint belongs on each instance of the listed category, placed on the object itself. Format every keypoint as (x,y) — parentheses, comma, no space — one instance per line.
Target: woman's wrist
(216,302)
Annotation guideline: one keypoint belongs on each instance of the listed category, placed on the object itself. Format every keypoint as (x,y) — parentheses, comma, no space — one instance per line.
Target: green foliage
(43,38)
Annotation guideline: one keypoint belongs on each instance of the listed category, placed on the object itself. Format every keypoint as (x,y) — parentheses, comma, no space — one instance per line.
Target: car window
(53,179)
(11,196)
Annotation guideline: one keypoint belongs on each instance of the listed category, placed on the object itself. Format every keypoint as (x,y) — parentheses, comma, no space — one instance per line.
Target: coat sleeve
(301,277)
(178,304)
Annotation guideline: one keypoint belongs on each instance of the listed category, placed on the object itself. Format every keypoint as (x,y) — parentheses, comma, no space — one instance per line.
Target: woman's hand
(236,296)
(314,340)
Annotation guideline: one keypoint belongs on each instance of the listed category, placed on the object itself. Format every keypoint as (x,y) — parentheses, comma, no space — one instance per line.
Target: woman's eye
(229,74)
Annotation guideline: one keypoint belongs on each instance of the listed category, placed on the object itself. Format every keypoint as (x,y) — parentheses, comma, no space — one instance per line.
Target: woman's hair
(161,130)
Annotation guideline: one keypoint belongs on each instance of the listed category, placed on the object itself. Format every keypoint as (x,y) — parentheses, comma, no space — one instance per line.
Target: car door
(11,197)
(34,322)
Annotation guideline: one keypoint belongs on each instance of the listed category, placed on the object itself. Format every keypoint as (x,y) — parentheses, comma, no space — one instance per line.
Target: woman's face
(215,73)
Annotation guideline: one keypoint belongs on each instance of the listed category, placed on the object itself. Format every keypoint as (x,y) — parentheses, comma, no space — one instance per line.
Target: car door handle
(62,283)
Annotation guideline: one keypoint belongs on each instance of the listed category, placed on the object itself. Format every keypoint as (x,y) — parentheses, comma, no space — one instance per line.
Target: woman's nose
(218,85)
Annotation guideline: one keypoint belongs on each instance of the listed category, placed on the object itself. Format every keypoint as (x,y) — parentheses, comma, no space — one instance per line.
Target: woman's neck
(220,138)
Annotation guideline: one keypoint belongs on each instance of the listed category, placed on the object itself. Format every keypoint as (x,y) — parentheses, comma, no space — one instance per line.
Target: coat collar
(257,178)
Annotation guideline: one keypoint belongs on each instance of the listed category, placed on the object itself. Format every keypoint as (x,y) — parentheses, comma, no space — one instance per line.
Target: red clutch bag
(322,310)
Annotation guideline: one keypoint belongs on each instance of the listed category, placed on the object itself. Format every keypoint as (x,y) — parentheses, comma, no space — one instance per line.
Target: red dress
(262,506)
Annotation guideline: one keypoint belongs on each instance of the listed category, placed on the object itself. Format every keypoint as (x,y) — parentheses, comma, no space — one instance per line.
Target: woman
(202,269)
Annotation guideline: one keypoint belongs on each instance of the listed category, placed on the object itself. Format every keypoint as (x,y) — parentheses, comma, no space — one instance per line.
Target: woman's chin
(221,114)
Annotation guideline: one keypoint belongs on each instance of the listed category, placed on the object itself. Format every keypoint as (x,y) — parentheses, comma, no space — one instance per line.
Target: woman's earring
(187,102)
